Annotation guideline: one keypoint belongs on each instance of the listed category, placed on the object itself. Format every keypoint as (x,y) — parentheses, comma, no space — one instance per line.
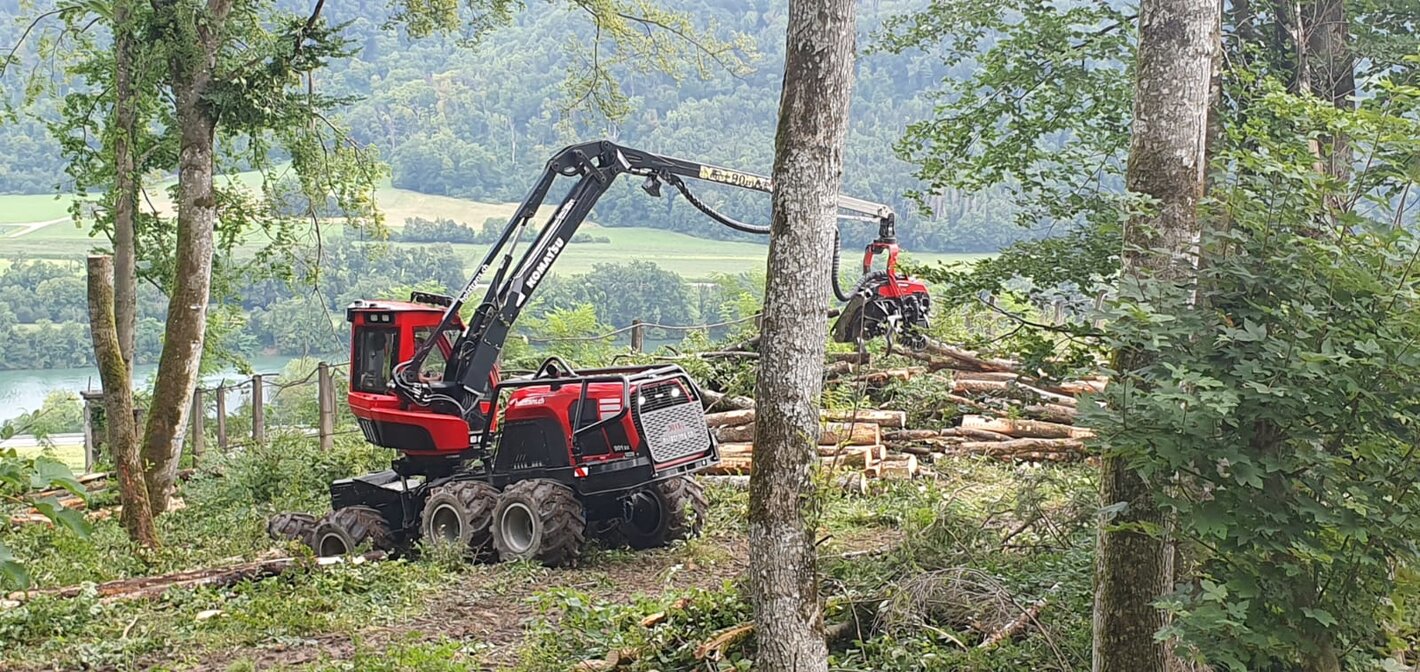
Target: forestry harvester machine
(526,467)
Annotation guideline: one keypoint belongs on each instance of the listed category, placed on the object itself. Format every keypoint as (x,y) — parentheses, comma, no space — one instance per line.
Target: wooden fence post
(326,396)
(638,336)
(199,431)
(258,412)
(89,447)
(222,417)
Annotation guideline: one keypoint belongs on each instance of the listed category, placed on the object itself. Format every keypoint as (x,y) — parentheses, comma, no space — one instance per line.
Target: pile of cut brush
(1011,415)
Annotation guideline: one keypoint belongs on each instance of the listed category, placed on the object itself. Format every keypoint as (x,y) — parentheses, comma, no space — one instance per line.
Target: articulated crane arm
(595,166)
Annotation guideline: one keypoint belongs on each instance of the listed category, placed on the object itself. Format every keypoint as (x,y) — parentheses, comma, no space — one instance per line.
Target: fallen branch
(714,648)
(154,586)
(1017,624)
(714,400)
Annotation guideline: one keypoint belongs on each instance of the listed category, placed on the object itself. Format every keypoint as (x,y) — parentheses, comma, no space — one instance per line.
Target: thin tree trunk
(1333,76)
(1177,39)
(192,71)
(808,167)
(125,186)
(136,514)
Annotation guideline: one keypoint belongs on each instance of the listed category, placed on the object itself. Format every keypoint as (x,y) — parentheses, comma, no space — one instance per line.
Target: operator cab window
(434,365)
(374,357)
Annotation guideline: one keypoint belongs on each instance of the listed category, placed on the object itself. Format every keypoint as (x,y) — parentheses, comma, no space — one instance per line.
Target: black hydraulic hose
(712,214)
(763,231)
(837,251)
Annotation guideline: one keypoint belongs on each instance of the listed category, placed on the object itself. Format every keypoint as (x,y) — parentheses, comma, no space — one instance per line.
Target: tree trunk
(125,184)
(808,166)
(1332,71)
(192,69)
(1177,39)
(136,514)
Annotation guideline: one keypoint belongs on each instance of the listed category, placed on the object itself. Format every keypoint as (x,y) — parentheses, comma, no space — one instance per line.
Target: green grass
(70,453)
(693,258)
(21,208)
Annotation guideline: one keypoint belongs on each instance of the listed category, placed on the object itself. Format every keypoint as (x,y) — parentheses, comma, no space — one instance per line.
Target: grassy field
(693,258)
(68,452)
(21,208)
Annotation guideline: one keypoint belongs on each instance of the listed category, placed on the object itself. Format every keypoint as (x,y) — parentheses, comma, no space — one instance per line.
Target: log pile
(850,441)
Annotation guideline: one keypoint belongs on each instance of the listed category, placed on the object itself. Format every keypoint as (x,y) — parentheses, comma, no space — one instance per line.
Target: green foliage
(622,292)
(22,475)
(1278,420)
(60,413)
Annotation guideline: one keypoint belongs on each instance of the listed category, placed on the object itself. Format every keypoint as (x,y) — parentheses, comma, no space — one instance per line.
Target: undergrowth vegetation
(909,572)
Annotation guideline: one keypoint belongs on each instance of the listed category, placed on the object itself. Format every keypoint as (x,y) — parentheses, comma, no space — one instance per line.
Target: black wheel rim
(332,545)
(646,514)
(444,523)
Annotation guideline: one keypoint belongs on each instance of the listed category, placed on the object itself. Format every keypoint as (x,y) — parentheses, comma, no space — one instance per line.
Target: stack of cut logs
(1014,415)
(850,440)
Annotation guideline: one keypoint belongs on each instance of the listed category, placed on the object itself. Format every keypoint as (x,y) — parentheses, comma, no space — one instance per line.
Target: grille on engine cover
(672,422)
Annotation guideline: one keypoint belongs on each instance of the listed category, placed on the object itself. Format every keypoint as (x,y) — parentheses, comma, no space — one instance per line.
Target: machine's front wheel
(297,526)
(541,520)
(461,512)
(342,531)
(669,510)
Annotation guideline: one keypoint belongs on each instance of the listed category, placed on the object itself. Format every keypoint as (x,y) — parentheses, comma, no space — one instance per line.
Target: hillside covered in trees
(479,120)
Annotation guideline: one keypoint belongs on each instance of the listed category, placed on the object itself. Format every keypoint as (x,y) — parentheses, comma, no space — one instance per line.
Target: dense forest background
(478,120)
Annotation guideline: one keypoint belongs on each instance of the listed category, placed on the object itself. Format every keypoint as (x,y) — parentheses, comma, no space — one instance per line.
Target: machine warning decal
(737,179)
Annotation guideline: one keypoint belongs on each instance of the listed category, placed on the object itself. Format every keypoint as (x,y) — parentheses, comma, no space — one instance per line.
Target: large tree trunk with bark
(136,514)
(192,68)
(125,183)
(808,166)
(1177,39)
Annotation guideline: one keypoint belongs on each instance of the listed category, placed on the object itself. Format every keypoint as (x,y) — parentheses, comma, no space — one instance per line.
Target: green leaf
(68,518)
(1321,616)
(13,572)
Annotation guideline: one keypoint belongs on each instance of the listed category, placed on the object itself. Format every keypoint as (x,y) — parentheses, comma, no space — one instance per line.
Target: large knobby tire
(461,513)
(296,526)
(539,520)
(667,511)
(343,531)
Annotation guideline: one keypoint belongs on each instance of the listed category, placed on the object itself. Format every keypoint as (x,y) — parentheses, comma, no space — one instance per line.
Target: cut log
(730,466)
(1015,448)
(1050,413)
(966,359)
(836,369)
(986,375)
(831,433)
(911,435)
(899,467)
(730,418)
(882,418)
(1023,429)
(718,401)
(1011,389)
(881,378)
(854,357)
(847,456)
(976,434)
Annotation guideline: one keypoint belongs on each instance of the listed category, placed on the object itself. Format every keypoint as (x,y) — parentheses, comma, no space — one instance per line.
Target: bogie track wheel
(664,512)
(540,520)
(461,512)
(342,531)
(298,526)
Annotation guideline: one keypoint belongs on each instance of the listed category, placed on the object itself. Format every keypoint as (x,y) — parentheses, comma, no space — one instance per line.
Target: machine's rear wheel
(298,526)
(539,520)
(672,509)
(342,531)
(462,513)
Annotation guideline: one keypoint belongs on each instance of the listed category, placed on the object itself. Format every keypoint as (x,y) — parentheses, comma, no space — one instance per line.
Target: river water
(24,390)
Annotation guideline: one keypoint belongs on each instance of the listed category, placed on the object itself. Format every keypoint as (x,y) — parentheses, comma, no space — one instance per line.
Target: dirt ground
(492,607)
(492,610)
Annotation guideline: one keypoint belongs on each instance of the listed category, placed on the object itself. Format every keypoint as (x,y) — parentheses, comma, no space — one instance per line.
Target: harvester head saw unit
(884,302)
